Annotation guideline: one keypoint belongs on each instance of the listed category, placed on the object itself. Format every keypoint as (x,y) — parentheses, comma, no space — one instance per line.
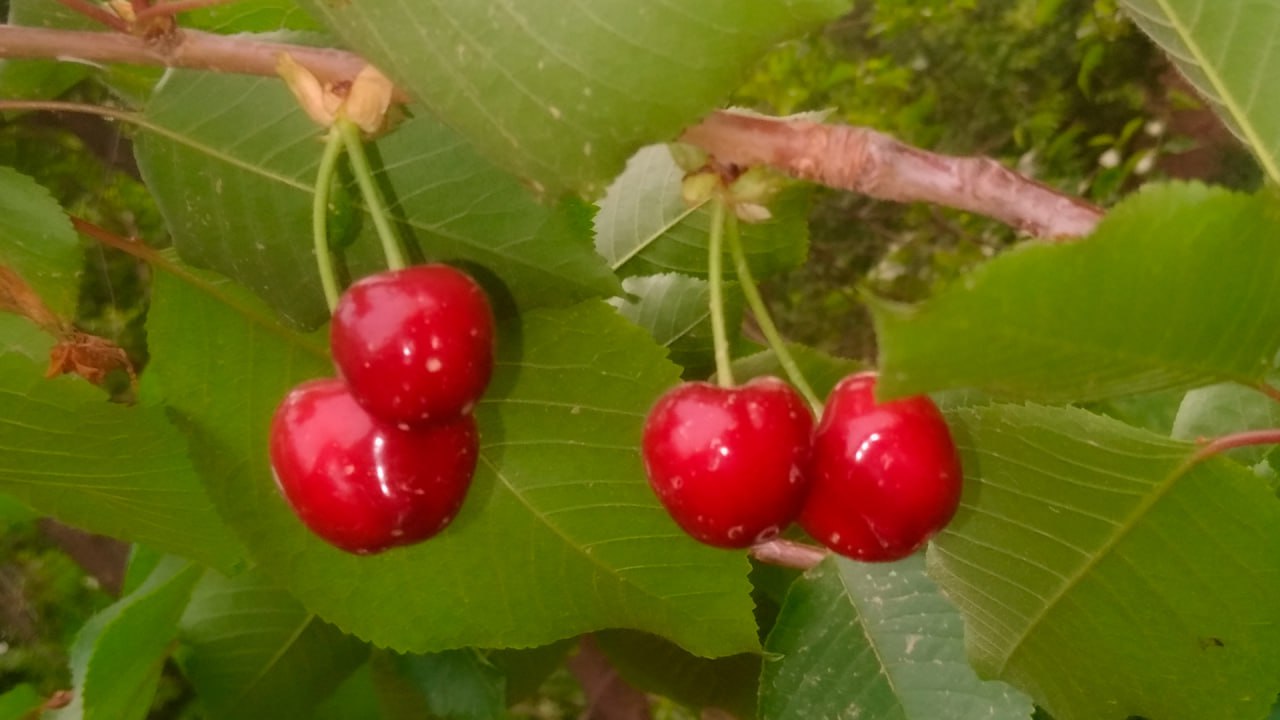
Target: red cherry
(364,484)
(414,344)
(728,463)
(884,478)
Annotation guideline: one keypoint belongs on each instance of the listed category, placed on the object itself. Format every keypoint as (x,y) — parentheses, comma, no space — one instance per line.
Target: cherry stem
(786,553)
(369,189)
(333,145)
(1269,390)
(715,261)
(765,320)
(1222,444)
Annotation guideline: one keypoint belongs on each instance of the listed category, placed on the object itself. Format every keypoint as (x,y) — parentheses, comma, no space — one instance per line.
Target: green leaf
(235,188)
(457,684)
(654,665)
(110,469)
(250,16)
(1223,409)
(560,533)
(38,243)
(876,641)
(676,310)
(1103,574)
(1179,287)
(252,651)
(822,371)
(42,79)
(1225,50)
(117,657)
(562,94)
(355,699)
(20,702)
(644,226)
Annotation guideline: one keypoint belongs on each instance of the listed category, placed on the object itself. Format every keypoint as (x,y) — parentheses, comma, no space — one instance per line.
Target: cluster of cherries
(384,456)
(735,466)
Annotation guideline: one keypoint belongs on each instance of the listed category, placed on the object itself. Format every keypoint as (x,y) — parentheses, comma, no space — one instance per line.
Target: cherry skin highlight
(884,477)
(415,345)
(363,484)
(728,463)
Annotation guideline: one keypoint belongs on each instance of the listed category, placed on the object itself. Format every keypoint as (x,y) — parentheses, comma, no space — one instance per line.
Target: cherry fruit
(728,463)
(365,484)
(416,344)
(884,477)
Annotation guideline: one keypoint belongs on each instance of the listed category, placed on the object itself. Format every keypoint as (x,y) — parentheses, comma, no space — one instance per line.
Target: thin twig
(97,14)
(1269,390)
(1219,445)
(787,553)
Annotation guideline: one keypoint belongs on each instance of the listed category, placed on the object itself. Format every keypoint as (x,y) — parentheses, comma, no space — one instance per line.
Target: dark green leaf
(457,684)
(560,533)
(822,371)
(111,469)
(561,94)
(1179,286)
(252,651)
(355,699)
(654,665)
(644,226)
(235,188)
(1101,573)
(38,243)
(117,657)
(876,641)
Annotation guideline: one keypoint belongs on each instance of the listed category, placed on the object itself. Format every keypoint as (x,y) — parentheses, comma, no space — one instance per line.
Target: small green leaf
(561,94)
(676,310)
(876,641)
(1104,575)
(1225,50)
(654,665)
(644,226)
(457,684)
(235,189)
(111,469)
(252,651)
(118,655)
(560,533)
(1226,408)
(1179,287)
(38,242)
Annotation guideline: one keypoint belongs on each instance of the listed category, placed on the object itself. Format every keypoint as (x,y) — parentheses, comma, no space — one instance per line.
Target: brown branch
(840,156)
(788,554)
(184,48)
(876,165)
(609,697)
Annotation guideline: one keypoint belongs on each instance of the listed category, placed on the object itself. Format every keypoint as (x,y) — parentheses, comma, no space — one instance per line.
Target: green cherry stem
(715,263)
(758,308)
(369,189)
(320,217)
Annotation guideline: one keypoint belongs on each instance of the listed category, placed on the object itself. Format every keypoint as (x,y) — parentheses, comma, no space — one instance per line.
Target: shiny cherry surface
(415,344)
(884,477)
(727,463)
(364,484)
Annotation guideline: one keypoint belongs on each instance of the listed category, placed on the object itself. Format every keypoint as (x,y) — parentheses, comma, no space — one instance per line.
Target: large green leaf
(645,227)
(252,651)
(1226,49)
(562,93)
(560,533)
(1103,574)
(1179,286)
(232,161)
(38,243)
(117,656)
(877,641)
(111,469)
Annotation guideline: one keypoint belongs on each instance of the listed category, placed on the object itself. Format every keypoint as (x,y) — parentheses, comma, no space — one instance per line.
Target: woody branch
(840,156)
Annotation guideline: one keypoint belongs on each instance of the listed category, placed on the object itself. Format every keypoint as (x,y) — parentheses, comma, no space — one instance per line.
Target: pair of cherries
(735,466)
(384,456)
